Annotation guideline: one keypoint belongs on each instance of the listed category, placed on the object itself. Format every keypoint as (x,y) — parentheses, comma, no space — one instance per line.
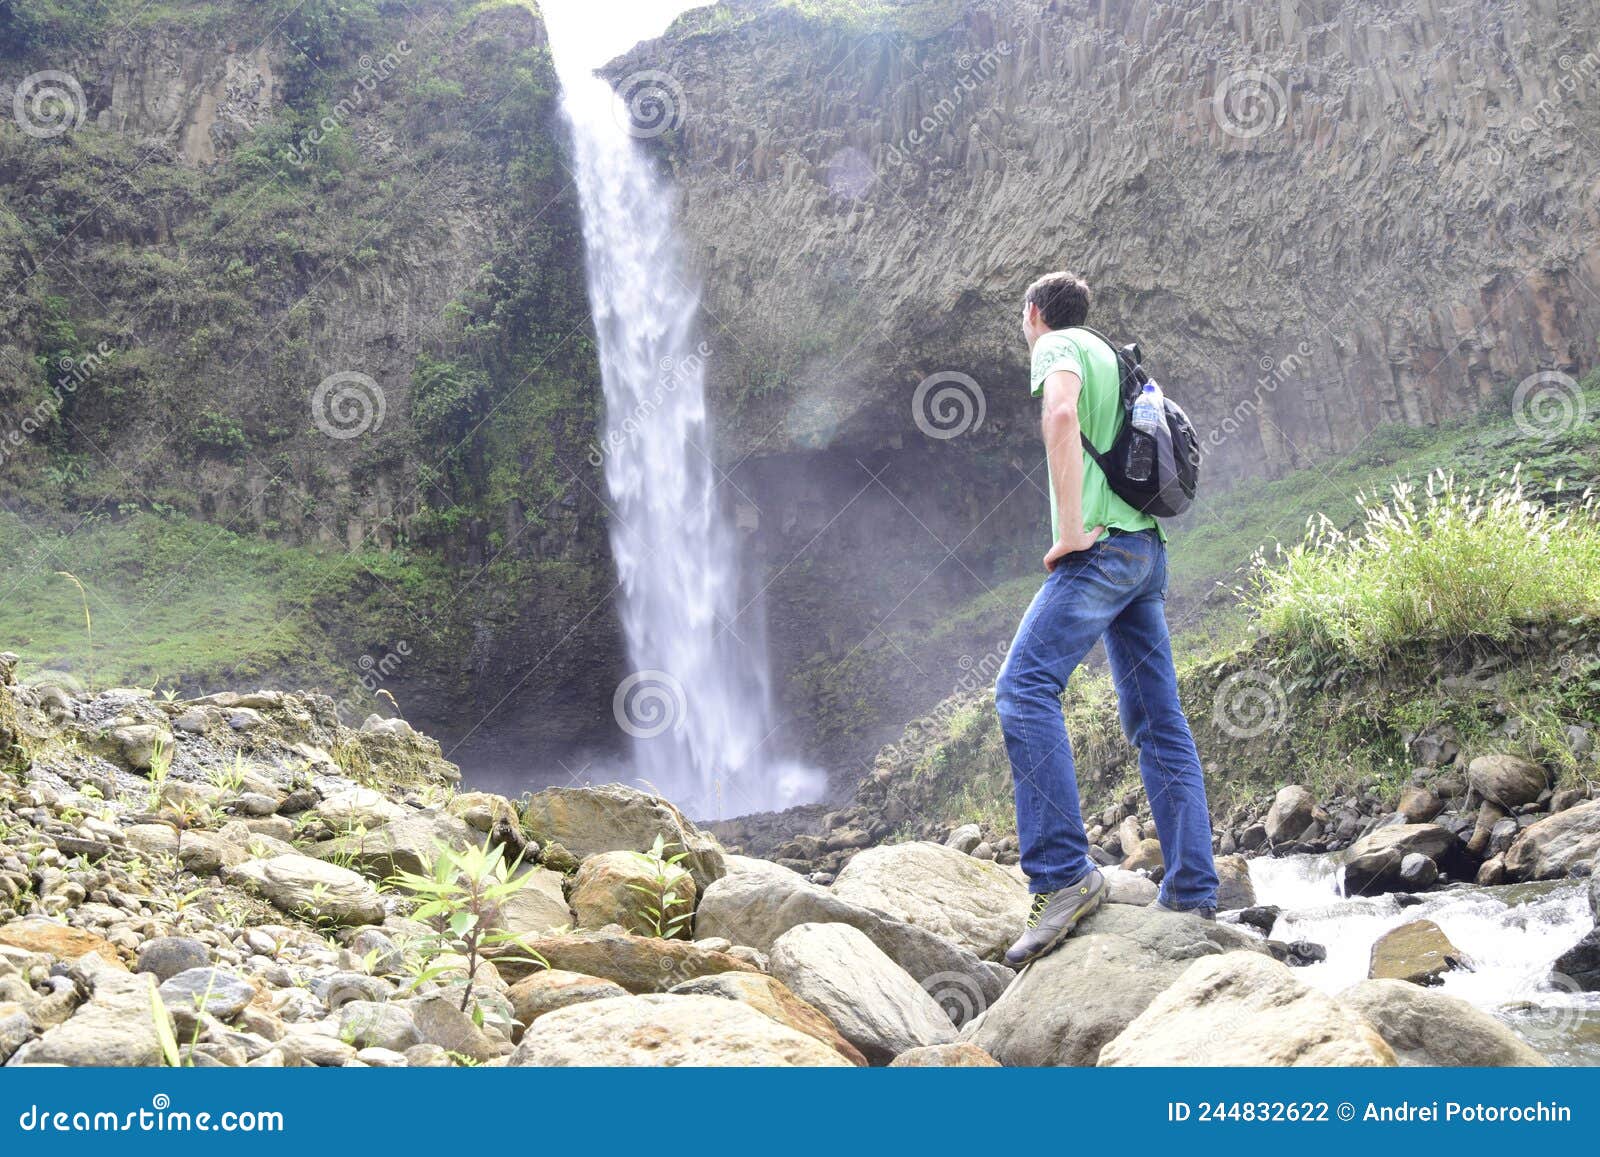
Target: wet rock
(1065,1006)
(1234,888)
(1418,952)
(1580,964)
(1506,780)
(1373,864)
(875,1004)
(1261,917)
(978,905)
(1242,1008)
(1430,1028)
(669,1030)
(1297,953)
(1417,872)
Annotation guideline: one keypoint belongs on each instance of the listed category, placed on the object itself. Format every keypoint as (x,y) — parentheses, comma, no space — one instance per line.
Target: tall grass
(1448,563)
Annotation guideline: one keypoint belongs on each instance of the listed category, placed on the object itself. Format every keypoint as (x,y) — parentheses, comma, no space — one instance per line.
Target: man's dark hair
(1062,298)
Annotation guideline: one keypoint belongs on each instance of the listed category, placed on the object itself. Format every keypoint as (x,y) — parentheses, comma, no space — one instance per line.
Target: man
(1107,578)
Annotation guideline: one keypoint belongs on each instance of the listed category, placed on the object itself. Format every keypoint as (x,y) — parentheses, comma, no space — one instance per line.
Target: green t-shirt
(1099,414)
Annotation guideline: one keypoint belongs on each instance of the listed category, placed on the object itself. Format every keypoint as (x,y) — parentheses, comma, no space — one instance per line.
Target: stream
(1511,933)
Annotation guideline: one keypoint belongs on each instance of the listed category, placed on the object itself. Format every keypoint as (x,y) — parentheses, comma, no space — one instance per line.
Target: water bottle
(1147,418)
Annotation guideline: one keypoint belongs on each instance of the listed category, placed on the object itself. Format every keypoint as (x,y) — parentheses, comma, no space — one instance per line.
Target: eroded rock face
(669,1030)
(1064,1007)
(771,997)
(1241,1008)
(632,889)
(1430,1028)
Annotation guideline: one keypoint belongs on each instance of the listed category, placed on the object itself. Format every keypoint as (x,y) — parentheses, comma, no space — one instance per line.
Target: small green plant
(460,899)
(88,620)
(160,767)
(231,778)
(665,912)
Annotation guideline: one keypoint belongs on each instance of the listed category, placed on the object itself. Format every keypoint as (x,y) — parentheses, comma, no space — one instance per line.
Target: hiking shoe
(1203,913)
(1054,917)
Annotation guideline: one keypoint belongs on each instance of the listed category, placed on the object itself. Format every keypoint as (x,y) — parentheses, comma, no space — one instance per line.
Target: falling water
(697,703)
(1512,935)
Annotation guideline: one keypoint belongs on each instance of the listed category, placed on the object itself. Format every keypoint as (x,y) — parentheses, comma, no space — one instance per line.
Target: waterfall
(697,702)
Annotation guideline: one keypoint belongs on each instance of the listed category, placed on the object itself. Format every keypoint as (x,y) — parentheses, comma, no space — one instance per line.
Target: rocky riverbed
(243,880)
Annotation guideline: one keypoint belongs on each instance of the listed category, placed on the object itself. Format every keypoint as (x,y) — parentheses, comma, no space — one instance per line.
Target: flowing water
(1511,934)
(697,704)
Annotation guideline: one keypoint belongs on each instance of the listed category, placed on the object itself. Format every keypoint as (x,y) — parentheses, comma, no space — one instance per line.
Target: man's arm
(1064,447)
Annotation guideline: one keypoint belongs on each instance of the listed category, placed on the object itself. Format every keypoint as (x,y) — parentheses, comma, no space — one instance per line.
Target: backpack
(1170,488)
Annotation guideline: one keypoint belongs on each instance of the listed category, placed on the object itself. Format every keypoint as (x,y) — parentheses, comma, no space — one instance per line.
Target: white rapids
(697,703)
(1511,934)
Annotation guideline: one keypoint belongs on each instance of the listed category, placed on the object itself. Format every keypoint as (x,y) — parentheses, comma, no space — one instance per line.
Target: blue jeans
(1116,589)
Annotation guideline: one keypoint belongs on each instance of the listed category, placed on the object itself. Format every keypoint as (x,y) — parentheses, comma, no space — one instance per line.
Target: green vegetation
(1459,563)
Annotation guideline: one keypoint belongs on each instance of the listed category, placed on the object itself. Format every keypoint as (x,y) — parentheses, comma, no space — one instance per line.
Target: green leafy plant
(460,898)
(666,912)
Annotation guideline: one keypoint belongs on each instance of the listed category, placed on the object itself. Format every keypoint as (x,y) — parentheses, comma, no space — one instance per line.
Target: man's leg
(1068,614)
(1147,696)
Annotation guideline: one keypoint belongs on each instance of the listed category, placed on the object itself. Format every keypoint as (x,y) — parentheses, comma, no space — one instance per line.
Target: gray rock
(1290,815)
(1129,887)
(1594,892)
(1553,846)
(1373,864)
(205,991)
(976,904)
(441,1022)
(1425,1027)
(303,886)
(1244,1009)
(589,820)
(669,1030)
(1235,891)
(1506,779)
(1418,872)
(1064,1007)
(341,988)
(965,839)
(367,1024)
(116,1027)
(166,956)
(428,1057)
(407,844)
(875,1004)
(1580,964)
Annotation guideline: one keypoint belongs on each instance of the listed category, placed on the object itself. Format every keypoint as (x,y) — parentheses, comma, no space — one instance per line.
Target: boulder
(1235,891)
(1506,780)
(370,1024)
(1373,863)
(36,934)
(974,903)
(771,997)
(1594,891)
(1418,805)
(964,839)
(441,1022)
(358,807)
(116,1027)
(625,887)
(1145,856)
(1245,1009)
(1553,846)
(408,844)
(311,889)
(961,1055)
(166,956)
(1429,1028)
(533,996)
(481,810)
(875,1003)
(589,820)
(700,1031)
(1417,872)
(1124,887)
(539,906)
(640,964)
(205,990)
(1580,964)
(1419,952)
(1291,813)
(1065,1006)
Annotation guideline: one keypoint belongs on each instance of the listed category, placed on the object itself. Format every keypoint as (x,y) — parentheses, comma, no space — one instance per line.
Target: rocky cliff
(1318,217)
(294,359)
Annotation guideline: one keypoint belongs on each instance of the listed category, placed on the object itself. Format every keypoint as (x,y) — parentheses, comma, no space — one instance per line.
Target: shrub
(1447,564)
